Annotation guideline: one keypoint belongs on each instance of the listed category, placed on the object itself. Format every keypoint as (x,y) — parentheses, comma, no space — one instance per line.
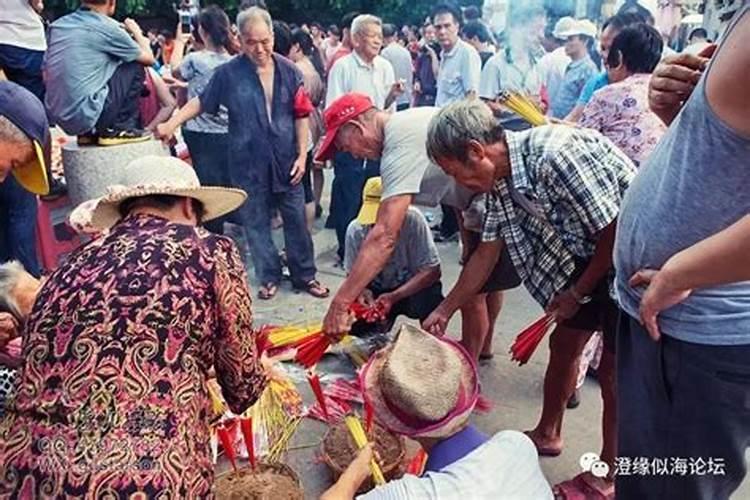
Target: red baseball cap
(345,108)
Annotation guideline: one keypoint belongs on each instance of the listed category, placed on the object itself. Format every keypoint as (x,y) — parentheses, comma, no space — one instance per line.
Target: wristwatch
(581,299)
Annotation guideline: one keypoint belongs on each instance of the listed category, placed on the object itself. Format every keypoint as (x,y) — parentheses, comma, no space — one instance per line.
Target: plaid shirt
(566,185)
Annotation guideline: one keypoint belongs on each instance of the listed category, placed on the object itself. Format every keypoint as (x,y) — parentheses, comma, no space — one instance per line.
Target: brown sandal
(314,288)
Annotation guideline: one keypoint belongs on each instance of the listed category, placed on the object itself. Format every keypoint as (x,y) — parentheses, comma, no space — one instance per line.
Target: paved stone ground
(516,391)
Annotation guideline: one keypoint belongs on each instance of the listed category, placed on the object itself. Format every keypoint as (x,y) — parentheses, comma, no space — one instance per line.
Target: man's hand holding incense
(338,321)
(564,305)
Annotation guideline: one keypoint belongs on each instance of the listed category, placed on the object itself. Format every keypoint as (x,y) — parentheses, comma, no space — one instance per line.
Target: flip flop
(268,291)
(314,288)
(544,451)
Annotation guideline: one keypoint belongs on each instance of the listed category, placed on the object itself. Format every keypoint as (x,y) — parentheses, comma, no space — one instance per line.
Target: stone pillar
(90,169)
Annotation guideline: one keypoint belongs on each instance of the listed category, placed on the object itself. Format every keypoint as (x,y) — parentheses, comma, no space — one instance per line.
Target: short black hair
(476,29)
(389,30)
(638,47)
(159,201)
(447,8)
(282,38)
(472,13)
(698,32)
(215,23)
(246,4)
(346,21)
(334,29)
(623,20)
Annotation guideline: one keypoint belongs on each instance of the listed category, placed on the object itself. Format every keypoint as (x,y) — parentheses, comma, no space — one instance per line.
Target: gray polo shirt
(460,72)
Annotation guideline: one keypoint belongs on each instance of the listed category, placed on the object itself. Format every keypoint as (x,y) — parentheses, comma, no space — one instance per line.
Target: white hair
(254,14)
(362,20)
(456,125)
(10,274)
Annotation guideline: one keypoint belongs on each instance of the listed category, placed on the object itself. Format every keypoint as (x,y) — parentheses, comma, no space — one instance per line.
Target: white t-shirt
(552,68)
(352,74)
(405,167)
(505,467)
(21,26)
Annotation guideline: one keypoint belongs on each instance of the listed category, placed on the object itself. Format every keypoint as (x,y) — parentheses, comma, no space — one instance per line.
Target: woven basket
(237,485)
(393,469)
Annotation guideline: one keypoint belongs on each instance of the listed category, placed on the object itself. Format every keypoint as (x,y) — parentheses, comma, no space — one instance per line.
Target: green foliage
(326,11)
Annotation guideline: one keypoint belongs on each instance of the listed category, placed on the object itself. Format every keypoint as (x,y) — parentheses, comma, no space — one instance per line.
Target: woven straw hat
(150,175)
(421,385)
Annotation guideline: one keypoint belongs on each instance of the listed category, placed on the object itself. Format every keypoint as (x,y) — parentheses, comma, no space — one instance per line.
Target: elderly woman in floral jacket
(112,399)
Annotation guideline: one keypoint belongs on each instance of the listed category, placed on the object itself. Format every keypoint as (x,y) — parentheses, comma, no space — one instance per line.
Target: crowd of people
(623,217)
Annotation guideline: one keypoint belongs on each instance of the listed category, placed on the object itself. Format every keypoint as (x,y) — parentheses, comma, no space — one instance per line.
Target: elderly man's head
(256,35)
(18,290)
(362,136)
(465,139)
(367,36)
(16,148)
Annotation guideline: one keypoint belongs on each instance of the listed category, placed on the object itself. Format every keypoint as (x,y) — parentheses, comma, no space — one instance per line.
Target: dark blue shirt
(454,448)
(261,152)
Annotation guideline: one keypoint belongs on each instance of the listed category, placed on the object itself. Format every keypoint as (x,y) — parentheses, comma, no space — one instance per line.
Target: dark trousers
(449,224)
(349,179)
(210,156)
(24,67)
(418,306)
(256,214)
(17,224)
(121,107)
(680,404)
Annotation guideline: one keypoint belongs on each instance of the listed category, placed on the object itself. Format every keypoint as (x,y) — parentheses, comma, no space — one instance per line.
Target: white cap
(562,25)
(579,27)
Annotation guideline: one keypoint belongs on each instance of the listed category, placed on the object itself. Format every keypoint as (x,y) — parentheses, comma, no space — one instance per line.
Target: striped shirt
(566,185)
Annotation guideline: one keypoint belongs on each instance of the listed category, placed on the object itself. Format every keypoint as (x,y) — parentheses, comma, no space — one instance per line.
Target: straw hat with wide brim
(153,175)
(421,385)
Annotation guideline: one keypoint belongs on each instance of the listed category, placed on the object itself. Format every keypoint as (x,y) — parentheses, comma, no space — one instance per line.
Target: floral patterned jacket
(112,400)
(620,112)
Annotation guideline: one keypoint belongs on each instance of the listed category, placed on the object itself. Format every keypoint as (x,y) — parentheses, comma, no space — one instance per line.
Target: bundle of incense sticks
(291,335)
(226,431)
(369,314)
(312,349)
(527,341)
(275,416)
(360,438)
(522,106)
(314,381)
(246,426)
(336,411)
(345,391)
